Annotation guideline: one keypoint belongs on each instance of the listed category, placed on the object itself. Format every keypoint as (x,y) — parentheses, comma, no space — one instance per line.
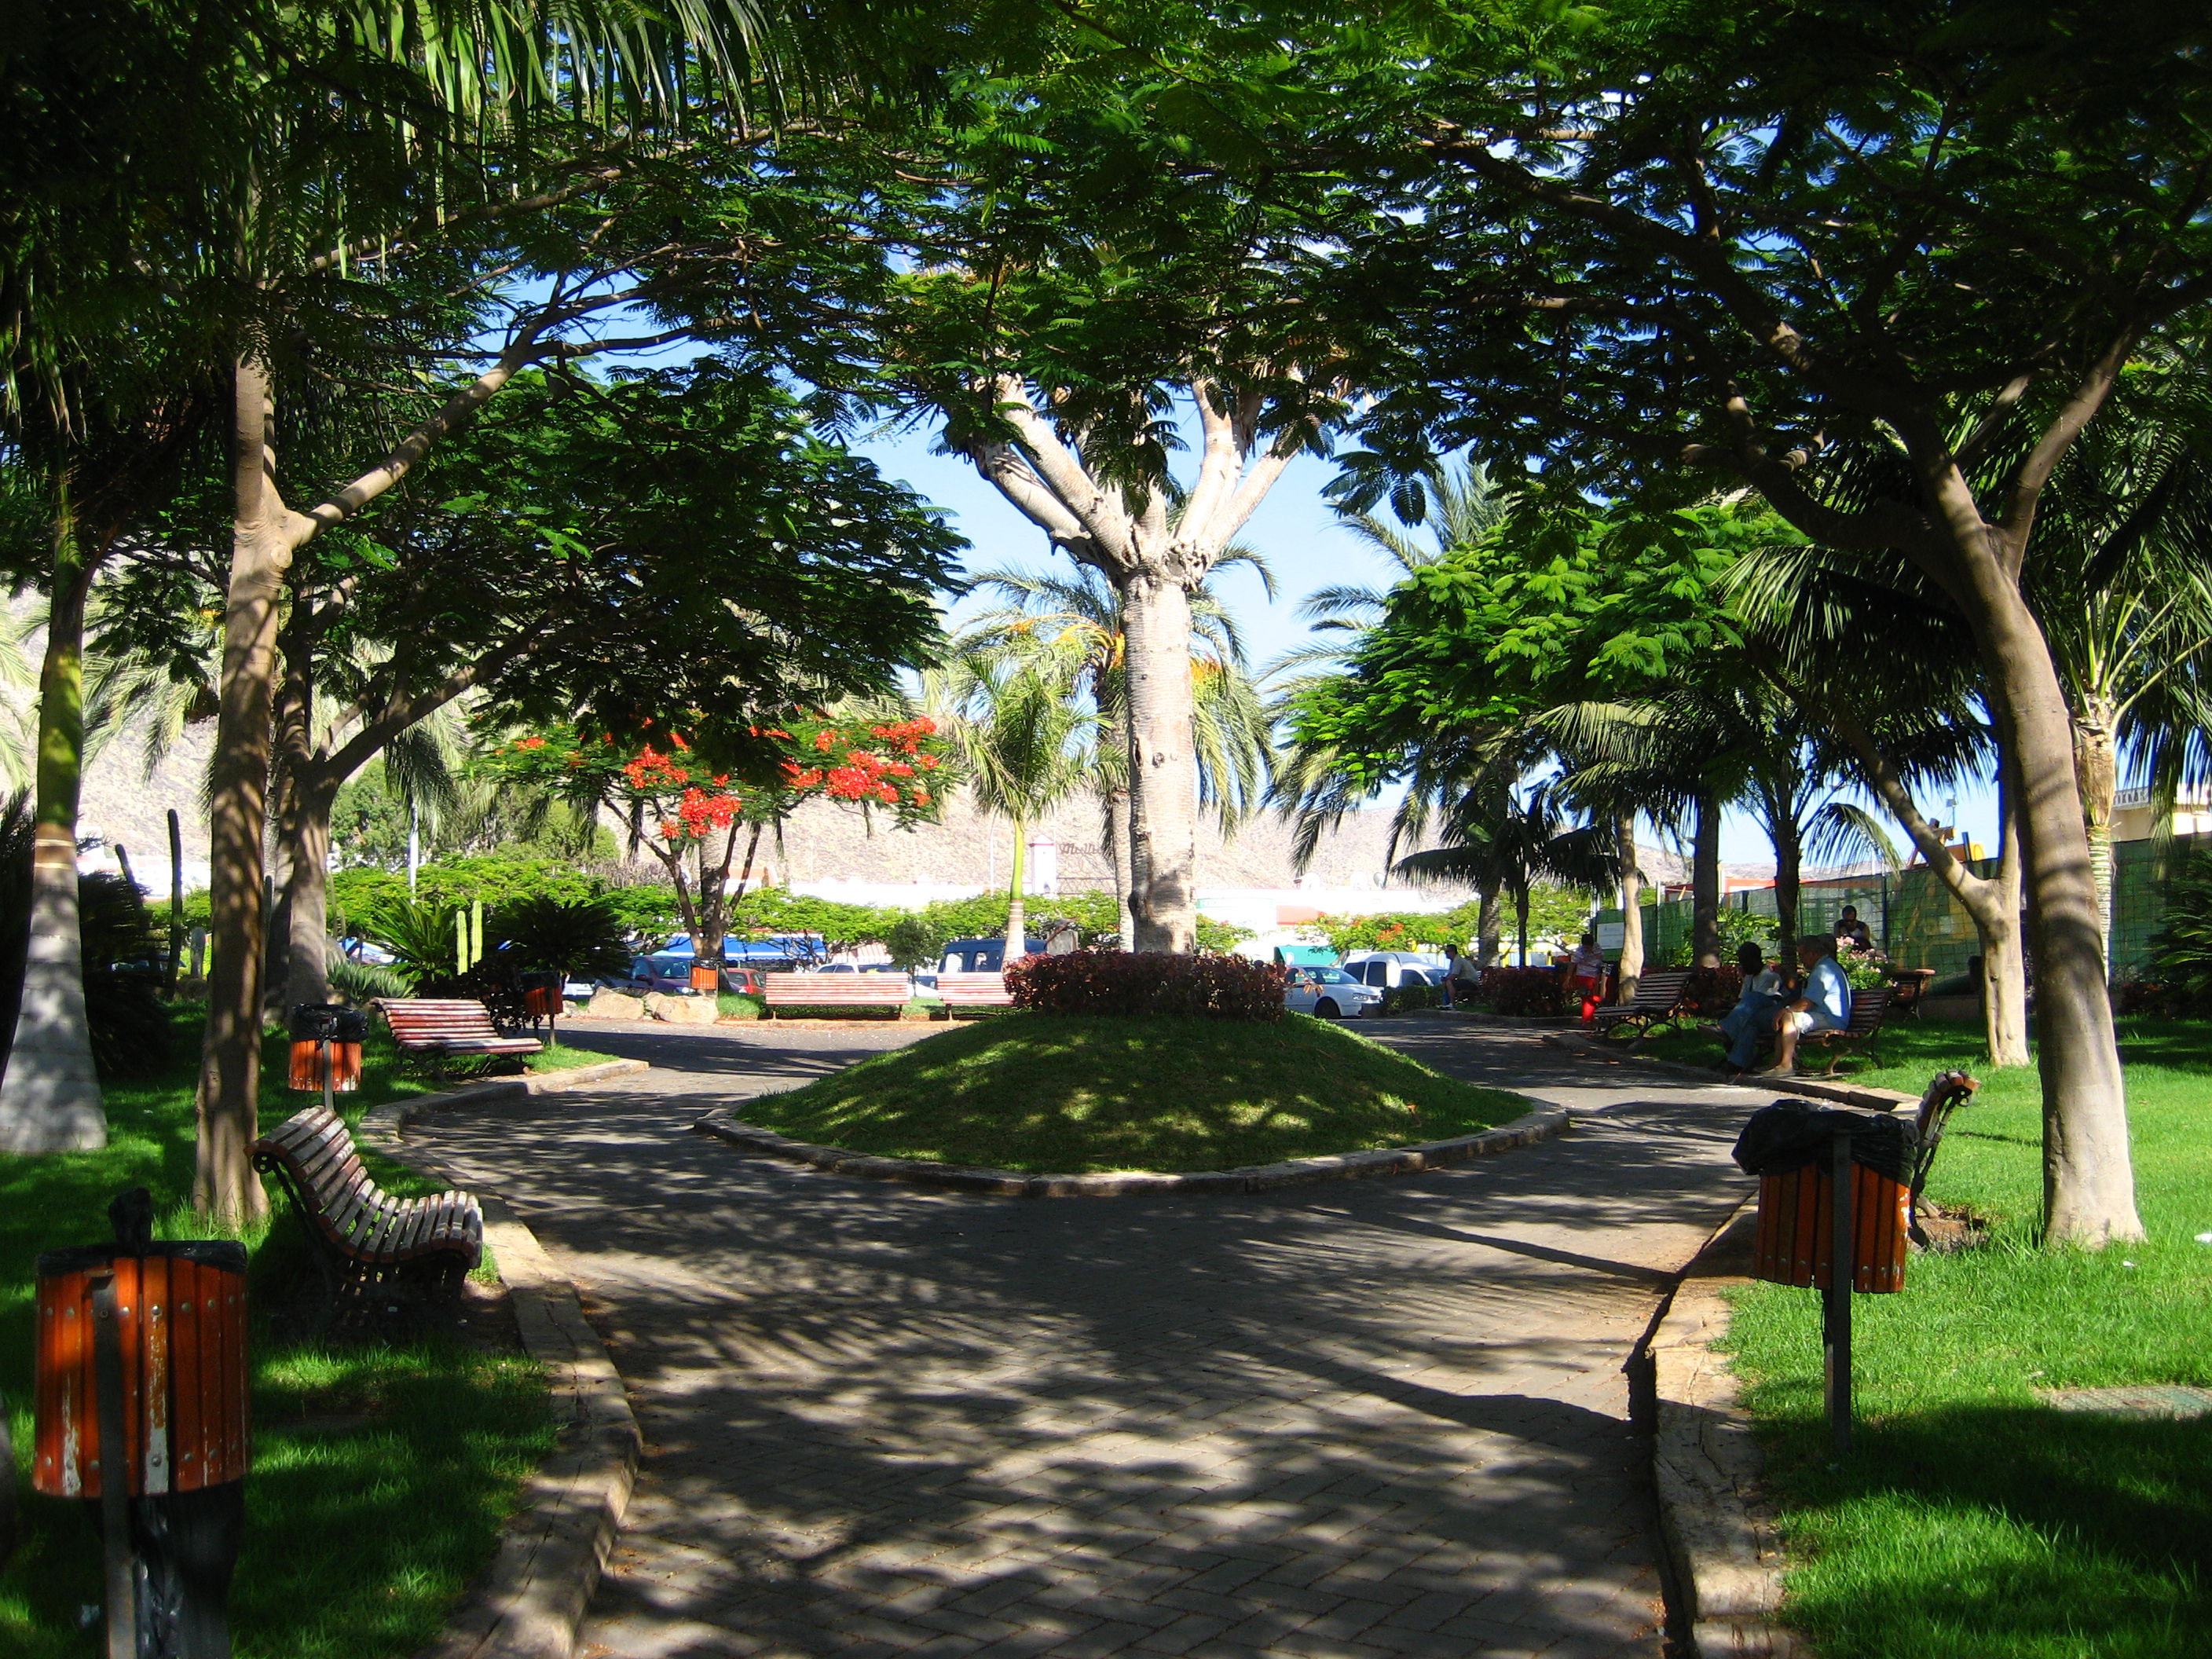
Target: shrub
(1521,991)
(1413,994)
(2180,962)
(1121,982)
(1715,990)
(579,939)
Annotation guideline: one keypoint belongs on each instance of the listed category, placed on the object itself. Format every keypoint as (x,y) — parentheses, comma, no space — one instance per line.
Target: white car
(1329,993)
(1384,969)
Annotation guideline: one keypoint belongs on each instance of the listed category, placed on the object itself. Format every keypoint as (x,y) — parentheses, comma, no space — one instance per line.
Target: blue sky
(1299,535)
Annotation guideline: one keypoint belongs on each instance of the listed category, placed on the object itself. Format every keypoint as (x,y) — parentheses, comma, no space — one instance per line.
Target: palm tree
(1232,728)
(1010,707)
(1516,837)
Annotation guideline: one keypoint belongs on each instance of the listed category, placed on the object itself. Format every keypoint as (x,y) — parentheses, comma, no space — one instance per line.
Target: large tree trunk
(2097,776)
(1631,911)
(1520,916)
(50,1099)
(1705,882)
(224,1187)
(2088,1179)
(1162,764)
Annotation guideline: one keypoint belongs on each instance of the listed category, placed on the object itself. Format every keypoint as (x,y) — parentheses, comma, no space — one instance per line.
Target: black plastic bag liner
(1792,1133)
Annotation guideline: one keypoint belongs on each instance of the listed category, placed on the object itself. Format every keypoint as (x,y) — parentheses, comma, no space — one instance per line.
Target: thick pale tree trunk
(2097,776)
(1705,882)
(224,1187)
(1632,910)
(1162,764)
(50,1099)
(2088,1176)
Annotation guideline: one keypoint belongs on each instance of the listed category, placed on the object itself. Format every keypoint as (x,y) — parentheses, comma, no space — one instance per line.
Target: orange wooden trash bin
(308,1066)
(181,1315)
(706,979)
(1796,1225)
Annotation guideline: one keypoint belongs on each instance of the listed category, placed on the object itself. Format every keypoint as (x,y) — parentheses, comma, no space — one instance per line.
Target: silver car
(1329,993)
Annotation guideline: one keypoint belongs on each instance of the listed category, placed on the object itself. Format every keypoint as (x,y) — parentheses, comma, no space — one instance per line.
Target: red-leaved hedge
(1127,982)
(1523,991)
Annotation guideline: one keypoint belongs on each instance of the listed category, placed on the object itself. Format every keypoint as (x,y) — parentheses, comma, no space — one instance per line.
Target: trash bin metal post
(1843,1272)
(119,1559)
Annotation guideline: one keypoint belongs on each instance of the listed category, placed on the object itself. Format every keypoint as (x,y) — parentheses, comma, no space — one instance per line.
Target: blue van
(981,956)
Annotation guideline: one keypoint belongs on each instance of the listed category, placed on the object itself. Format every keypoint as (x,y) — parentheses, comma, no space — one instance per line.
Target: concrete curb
(1707,1470)
(1544,1123)
(528,1603)
(1877,1100)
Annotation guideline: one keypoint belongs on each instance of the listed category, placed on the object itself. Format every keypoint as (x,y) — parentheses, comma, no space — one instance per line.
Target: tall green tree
(1943,228)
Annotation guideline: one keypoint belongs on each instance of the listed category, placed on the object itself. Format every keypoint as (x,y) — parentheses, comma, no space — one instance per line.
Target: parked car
(1329,993)
(981,956)
(1384,969)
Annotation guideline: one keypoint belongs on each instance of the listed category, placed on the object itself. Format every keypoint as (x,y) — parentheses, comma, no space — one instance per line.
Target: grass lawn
(380,1474)
(1056,1093)
(1971,1520)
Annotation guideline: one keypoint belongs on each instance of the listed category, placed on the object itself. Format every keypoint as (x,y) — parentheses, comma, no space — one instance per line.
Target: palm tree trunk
(1488,924)
(50,1099)
(1117,855)
(1163,765)
(224,1187)
(1705,882)
(1789,866)
(2096,775)
(305,911)
(1632,910)
(1017,909)
(1521,915)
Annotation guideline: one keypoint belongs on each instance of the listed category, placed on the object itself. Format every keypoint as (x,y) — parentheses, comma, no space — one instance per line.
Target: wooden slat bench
(974,991)
(1869,1010)
(887,991)
(1659,999)
(439,1028)
(361,1232)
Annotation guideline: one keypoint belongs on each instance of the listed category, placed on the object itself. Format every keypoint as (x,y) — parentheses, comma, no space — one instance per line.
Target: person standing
(1586,976)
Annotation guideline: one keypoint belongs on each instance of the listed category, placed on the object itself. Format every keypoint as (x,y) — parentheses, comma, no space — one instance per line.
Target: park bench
(1869,1010)
(974,991)
(362,1234)
(1660,998)
(438,1029)
(887,991)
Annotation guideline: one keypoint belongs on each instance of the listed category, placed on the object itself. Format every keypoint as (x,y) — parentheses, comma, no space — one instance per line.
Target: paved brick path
(1376,1419)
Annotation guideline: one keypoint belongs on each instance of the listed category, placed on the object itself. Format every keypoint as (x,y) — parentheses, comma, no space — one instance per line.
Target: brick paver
(1385,1419)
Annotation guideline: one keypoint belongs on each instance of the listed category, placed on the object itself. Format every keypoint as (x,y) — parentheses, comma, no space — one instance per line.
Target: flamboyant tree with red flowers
(691,816)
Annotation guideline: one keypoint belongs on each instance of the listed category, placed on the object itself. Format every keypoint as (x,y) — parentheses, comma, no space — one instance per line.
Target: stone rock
(681,1010)
(613,1004)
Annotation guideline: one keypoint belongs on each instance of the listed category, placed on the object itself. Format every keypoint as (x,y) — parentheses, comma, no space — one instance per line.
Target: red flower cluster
(698,813)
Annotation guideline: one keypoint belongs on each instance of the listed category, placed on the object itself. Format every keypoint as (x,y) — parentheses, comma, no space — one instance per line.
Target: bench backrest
(1869,1006)
(418,1019)
(971,988)
(828,990)
(318,1152)
(1661,990)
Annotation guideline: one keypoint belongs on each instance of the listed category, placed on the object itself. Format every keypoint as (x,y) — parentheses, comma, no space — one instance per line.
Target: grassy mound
(1065,1094)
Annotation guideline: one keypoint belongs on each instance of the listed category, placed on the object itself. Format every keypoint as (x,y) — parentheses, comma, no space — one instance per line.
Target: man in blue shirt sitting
(1826,1006)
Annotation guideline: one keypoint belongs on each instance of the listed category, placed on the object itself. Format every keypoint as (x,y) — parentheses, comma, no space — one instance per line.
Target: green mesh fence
(1919,924)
